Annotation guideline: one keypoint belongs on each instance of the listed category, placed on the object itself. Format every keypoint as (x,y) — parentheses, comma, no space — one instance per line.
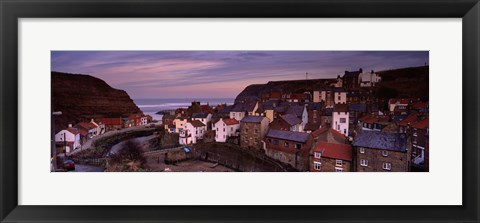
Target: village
(341,127)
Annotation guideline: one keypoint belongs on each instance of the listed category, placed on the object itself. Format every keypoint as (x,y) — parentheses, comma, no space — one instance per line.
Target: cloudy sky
(220,74)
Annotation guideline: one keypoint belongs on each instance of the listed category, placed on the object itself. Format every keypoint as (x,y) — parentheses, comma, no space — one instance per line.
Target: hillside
(411,82)
(82,97)
(254,91)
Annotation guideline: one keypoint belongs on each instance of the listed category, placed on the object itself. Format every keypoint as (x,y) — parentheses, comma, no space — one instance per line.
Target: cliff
(82,97)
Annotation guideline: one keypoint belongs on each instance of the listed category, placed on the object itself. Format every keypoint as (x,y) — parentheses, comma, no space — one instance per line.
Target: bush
(129,158)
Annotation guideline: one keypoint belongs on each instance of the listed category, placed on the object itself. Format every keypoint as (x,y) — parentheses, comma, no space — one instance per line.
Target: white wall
(337,125)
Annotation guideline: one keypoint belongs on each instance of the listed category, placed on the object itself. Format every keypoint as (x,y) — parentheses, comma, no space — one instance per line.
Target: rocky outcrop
(83,97)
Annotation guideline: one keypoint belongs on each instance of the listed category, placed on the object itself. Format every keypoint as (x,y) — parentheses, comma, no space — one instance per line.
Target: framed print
(239,111)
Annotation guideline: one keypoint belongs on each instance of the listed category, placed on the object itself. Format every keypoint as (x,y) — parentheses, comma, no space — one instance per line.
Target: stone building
(381,152)
(252,131)
(331,152)
(291,148)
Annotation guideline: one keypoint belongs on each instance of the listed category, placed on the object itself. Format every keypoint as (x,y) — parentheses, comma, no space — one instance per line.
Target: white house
(300,111)
(241,109)
(205,118)
(225,128)
(193,131)
(340,118)
(99,126)
(369,79)
(180,123)
(69,137)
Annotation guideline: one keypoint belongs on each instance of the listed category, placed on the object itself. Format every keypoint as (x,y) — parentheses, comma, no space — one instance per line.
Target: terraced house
(252,131)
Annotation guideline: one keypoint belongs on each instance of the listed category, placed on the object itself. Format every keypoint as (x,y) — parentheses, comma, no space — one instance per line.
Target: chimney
(92,120)
(373,72)
(69,125)
(360,70)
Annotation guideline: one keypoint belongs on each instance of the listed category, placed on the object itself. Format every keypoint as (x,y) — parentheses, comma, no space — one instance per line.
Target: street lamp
(54,149)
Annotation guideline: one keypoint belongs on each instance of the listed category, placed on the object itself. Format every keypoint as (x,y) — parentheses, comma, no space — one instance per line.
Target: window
(231,129)
(317,165)
(318,155)
(286,144)
(223,129)
(298,146)
(217,129)
(387,166)
(338,162)
(363,162)
(275,142)
(384,153)
(362,150)
(224,136)
(343,120)
(338,169)
(270,140)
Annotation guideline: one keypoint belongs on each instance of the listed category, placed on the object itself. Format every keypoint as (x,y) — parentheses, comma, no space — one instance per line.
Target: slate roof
(327,112)
(296,110)
(291,119)
(230,121)
(226,109)
(267,105)
(200,115)
(314,106)
(351,74)
(357,107)
(288,135)
(253,119)
(197,123)
(381,140)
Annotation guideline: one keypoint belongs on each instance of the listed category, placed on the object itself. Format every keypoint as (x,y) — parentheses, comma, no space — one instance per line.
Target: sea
(152,106)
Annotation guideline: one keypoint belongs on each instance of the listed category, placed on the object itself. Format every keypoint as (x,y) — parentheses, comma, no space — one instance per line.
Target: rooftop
(253,119)
(288,135)
(381,140)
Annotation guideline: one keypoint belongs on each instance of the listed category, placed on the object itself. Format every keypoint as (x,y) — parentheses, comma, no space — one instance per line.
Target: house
(397,105)
(330,96)
(340,118)
(289,147)
(331,152)
(351,79)
(167,121)
(380,152)
(355,112)
(252,131)
(241,109)
(88,127)
(180,123)
(288,122)
(297,97)
(300,111)
(138,119)
(193,131)
(327,117)
(203,117)
(369,79)
(68,138)
(267,109)
(419,144)
(314,114)
(111,123)
(100,126)
(225,128)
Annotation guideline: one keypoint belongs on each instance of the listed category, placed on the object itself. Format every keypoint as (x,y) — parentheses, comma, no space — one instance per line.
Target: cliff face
(82,97)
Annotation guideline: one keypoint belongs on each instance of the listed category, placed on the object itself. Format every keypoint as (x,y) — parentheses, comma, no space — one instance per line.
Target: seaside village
(338,128)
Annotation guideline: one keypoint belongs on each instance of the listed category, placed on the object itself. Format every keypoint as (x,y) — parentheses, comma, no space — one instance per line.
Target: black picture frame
(11,11)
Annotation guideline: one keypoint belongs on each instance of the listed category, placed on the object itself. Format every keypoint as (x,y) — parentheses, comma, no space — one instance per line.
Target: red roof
(85,125)
(136,116)
(399,100)
(340,108)
(111,121)
(276,94)
(230,121)
(423,124)
(412,118)
(73,130)
(334,150)
(419,105)
(371,120)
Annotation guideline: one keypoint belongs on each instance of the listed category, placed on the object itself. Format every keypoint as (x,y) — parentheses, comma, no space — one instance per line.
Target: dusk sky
(220,74)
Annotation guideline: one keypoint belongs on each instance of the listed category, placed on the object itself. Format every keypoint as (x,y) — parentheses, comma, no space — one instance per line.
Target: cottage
(68,138)
(381,151)
(340,118)
(252,131)
(369,79)
(289,147)
(203,117)
(241,109)
(330,96)
(180,123)
(225,128)
(111,123)
(420,148)
(287,122)
(138,119)
(314,113)
(193,131)
(331,152)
